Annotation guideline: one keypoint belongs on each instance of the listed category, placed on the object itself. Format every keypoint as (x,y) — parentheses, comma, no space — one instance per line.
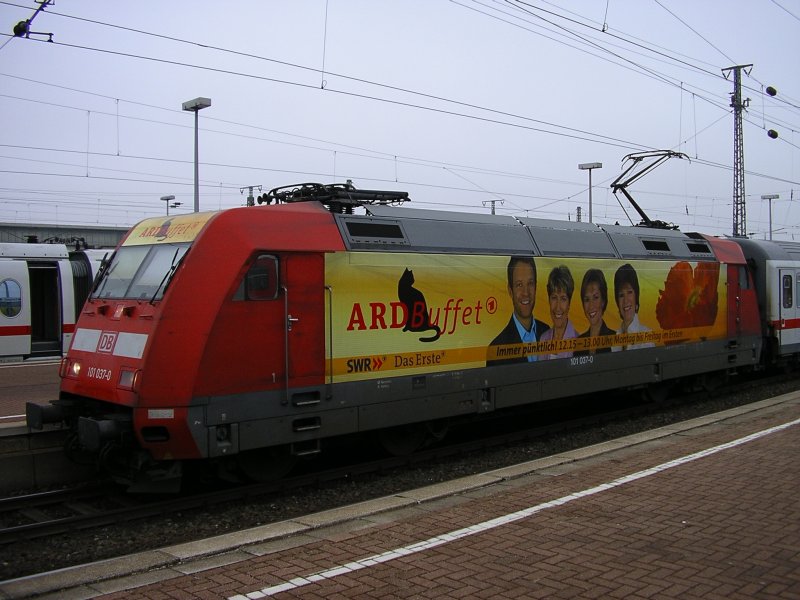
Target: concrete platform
(32,381)
(704,509)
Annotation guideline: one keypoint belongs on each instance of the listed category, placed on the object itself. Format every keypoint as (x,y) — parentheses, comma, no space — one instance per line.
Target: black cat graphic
(416,307)
(163,230)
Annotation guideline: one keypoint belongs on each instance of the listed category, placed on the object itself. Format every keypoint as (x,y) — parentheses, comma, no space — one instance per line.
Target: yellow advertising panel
(403,314)
(169,229)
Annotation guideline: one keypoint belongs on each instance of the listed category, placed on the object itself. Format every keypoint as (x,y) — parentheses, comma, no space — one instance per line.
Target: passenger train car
(247,337)
(775,267)
(42,290)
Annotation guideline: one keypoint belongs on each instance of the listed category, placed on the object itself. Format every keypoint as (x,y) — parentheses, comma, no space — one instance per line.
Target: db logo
(107,341)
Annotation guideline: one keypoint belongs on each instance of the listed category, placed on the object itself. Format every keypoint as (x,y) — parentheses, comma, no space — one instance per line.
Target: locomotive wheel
(710,382)
(437,430)
(656,392)
(266,464)
(403,439)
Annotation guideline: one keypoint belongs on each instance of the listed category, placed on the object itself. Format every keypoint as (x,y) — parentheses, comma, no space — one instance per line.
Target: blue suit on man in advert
(522,326)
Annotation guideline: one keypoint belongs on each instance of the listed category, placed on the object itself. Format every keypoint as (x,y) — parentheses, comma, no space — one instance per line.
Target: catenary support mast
(738,105)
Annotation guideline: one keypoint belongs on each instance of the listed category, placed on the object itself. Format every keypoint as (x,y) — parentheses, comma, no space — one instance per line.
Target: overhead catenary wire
(347,77)
(385,155)
(648,49)
(433,97)
(670,56)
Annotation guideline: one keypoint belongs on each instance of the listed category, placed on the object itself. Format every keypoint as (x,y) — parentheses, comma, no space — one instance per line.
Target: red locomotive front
(189,308)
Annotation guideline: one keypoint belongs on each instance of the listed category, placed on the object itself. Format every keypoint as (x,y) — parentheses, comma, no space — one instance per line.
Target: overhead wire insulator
(22,28)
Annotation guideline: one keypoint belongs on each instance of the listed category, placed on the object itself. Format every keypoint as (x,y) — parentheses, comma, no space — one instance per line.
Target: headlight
(70,368)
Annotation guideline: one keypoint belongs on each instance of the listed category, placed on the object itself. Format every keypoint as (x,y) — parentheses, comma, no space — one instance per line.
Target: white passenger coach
(42,290)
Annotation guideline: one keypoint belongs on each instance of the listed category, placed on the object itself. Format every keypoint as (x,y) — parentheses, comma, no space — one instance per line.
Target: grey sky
(457,102)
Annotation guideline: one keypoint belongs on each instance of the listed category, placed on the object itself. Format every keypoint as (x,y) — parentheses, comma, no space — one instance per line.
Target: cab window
(140,272)
(261,280)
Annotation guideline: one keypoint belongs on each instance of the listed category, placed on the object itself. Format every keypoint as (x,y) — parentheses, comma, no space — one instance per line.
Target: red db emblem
(107,341)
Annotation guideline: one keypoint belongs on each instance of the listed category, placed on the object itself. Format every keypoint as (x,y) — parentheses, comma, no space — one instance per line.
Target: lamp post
(167,199)
(770,197)
(589,167)
(196,106)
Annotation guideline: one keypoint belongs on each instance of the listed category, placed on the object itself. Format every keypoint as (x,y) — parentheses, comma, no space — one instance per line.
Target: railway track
(35,460)
(100,504)
(39,514)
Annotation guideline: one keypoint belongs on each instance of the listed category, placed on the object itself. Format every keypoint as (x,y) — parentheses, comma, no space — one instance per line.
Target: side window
(261,280)
(10,298)
(797,295)
(788,302)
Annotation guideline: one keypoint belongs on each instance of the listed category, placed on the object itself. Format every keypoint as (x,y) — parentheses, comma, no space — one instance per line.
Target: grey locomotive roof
(569,238)
(414,230)
(438,215)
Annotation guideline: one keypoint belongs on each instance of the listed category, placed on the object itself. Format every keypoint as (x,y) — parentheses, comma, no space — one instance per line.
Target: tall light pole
(167,199)
(770,197)
(589,167)
(196,106)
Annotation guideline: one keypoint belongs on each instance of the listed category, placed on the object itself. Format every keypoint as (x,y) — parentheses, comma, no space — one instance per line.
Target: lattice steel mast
(738,105)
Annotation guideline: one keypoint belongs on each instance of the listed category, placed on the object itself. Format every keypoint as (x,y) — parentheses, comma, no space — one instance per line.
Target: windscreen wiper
(168,275)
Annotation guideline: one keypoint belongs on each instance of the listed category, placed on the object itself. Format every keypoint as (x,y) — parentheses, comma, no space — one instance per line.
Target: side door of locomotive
(303,287)
(789,313)
(15,308)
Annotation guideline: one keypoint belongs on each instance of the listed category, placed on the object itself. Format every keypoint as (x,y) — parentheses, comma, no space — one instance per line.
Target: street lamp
(590,166)
(196,106)
(770,197)
(167,199)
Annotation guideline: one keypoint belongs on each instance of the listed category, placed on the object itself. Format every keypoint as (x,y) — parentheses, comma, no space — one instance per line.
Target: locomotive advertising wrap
(403,314)
(158,230)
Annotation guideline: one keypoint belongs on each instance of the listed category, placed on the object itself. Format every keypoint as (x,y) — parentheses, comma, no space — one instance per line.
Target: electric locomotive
(245,338)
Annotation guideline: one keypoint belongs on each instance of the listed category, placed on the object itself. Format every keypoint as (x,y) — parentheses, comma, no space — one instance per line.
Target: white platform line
(445,538)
